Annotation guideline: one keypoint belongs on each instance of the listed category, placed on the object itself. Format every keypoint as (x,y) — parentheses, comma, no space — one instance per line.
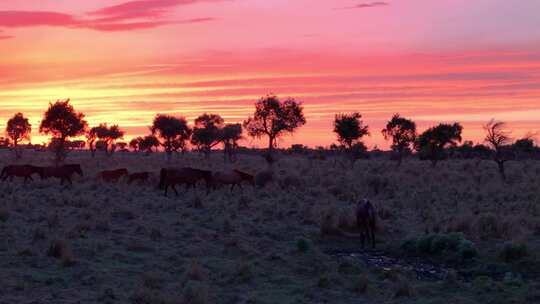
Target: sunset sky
(124,61)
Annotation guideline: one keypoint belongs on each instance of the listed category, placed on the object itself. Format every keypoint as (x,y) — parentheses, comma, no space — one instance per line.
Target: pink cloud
(132,15)
(365,5)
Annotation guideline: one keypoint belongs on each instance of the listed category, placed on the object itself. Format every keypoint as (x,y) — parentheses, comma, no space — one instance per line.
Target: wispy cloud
(364,5)
(127,16)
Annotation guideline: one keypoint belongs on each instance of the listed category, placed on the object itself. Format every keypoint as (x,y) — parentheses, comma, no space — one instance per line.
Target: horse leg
(372,230)
(232,187)
(174,188)
(363,238)
(166,188)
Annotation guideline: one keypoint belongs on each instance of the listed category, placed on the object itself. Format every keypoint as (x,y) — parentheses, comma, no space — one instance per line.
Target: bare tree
(498,138)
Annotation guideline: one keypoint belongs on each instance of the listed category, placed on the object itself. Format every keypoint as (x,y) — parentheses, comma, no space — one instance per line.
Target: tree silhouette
(432,143)
(350,129)
(135,143)
(17,129)
(148,142)
(230,136)
(402,131)
(91,137)
(109,135)
(499,140)
(174,131)
(207,132)
(274,118)
(62,121)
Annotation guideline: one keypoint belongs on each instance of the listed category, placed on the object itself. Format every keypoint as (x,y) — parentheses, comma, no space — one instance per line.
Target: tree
(230,136)
(91,137)
(432,143)
(122,145)
(17,129)
(350,129)
(207,132)
(62,122)
(402,131)
(174,131)
(135,143)
(109,135)
(499,140)
(274,118)
(148,142)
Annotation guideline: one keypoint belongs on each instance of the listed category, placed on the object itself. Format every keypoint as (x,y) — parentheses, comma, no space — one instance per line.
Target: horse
(112,175)
(366,220)
(233,178)
(25,171)
(64,173)
(169,177)
(140,176)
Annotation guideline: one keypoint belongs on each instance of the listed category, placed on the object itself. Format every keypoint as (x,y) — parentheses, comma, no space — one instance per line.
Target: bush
(452,245)
(512,252)
(303,245)
(4,215)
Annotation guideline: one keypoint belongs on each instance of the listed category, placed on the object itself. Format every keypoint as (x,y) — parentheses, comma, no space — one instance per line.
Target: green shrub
(452,246)
(303,245)
(512,252)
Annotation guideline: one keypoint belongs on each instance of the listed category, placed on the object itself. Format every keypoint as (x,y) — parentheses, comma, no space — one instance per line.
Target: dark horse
(169,177)
(25,171)
(64,173)
(140,176)
(113,175)
(233,178)
(366,220)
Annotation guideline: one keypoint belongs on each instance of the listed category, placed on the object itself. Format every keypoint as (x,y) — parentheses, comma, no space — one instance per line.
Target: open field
(292,241)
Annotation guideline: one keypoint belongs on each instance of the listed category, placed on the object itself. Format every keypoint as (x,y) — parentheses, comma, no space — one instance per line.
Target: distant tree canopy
(274,118)
(107,137)
(18,129)
(174,132)
(207,132)
(62,122)
(432,143)
(230,135)
(402,132)
(350,128)
(148,143)
(135,143)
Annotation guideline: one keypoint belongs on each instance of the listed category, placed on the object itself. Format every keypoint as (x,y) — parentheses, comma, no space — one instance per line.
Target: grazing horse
(232,178)
(366,220)
(112,175)
(64,173)
(140,176)
(169,177)
(25,171)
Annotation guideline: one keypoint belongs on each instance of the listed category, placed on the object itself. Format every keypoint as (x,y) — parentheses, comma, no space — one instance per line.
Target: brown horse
(169,177)
(25,171)
(366,220)
(233,178)
(140,176)
(64,173)
(112,175)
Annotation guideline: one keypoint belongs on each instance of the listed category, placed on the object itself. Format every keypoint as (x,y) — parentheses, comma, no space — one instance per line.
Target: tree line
(272,119)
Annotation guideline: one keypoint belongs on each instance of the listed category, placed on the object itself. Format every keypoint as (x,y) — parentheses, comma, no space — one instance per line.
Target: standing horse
(140,176)
(64,173)
(366,220)
(169,177)
(25,171)
(233,178)
(112,175)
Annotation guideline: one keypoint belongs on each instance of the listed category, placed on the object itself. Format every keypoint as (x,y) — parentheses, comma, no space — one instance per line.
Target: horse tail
(4,172)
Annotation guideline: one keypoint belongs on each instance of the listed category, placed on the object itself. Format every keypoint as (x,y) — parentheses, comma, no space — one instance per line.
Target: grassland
(292,241)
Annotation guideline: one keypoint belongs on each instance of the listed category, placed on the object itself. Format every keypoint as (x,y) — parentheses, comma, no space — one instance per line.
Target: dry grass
(260,244)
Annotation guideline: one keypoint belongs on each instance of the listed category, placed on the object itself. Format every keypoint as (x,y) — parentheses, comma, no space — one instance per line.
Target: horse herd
(168,177)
